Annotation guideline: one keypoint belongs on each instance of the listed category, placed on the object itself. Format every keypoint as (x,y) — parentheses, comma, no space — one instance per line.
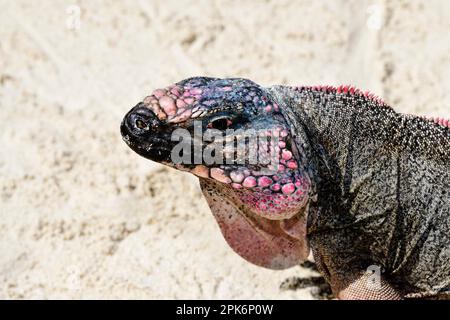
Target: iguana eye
(219,124)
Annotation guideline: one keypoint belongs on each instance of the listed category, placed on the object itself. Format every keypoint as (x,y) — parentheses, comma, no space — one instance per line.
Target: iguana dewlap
(333,170)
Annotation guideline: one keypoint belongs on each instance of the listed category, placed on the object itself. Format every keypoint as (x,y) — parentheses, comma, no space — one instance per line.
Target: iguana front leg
(350,276)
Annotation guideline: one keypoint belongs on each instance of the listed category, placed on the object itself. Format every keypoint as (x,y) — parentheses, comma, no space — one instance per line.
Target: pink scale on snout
(288,188)
(168,105)
(158,93)
(264,181)
(282,144)
(149,99)
(249,182)
(195,91)
(189,100)
(236,185)
(186,114)
(181,103)
(268,108)
(175,91)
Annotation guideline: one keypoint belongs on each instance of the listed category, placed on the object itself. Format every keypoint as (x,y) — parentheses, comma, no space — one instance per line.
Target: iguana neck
(329,127)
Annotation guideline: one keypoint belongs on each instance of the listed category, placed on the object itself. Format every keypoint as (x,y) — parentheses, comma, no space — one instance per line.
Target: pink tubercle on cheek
(274,197)
(292,165)
(237,176)
(264,181)
(286,155)
(275,187)
(249,182)
(288,188)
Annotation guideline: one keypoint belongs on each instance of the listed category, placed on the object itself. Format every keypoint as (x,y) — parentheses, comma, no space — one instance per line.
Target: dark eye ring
(220,124)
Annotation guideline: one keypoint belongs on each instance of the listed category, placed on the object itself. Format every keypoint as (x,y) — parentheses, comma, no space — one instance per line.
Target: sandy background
(81,216)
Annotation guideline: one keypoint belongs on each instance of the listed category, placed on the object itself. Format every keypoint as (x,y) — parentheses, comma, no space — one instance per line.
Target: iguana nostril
(141,124)
(142,119)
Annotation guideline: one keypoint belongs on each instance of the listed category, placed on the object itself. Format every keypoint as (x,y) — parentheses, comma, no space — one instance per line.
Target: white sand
(81,216)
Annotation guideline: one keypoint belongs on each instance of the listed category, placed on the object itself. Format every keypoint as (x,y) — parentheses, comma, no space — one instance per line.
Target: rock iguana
(286,170)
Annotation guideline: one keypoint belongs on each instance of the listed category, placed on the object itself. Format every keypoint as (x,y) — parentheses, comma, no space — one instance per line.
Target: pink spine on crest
(344,90)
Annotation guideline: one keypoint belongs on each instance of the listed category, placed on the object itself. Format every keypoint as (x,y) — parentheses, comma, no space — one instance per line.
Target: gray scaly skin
(362,186)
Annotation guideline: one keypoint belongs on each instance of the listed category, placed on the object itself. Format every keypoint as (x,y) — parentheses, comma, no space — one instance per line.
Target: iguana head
(232,135)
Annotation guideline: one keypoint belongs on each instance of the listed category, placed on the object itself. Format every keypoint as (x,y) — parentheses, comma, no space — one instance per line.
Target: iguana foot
(320,289)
